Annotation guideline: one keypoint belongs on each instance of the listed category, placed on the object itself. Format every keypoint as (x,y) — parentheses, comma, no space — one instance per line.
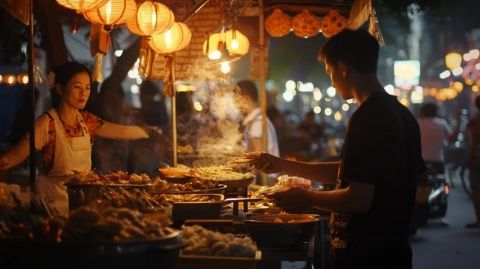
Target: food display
(89,224)
(195,185)
(201,241)
(220,173)
(176,171)
(119,177)
(189,198)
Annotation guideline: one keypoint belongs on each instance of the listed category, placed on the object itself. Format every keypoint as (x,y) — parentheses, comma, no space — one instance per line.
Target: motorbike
(431,197)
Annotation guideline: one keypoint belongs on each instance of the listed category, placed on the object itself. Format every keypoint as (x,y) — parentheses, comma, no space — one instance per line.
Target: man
(474,163)
(434,133)
(376,178)
(253,120)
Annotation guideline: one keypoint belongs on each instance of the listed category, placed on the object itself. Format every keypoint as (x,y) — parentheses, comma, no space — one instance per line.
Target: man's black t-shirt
(382,148)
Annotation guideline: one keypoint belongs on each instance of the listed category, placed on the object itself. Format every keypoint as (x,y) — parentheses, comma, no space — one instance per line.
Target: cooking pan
(150,253)
(281,230)
(212,209)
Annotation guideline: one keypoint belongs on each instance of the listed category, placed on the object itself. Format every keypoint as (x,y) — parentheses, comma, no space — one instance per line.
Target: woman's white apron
(72,154)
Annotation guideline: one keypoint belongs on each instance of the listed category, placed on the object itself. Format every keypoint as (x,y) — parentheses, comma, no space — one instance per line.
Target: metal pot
(281,230)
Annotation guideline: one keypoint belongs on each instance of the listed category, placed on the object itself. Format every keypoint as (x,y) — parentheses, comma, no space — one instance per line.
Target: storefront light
(317,94)
(345,107)
(338,116)
(328,111)
(474,88)
(10,79)
(474,54)
(457,71)
(317,109)
(24,79)
(477,66)
(331,91)
(290,85)
(118,53)
(197,106)
(453,60)
(445,74)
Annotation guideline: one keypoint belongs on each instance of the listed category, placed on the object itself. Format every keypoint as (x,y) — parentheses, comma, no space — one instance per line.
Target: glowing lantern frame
(151,17)
(112,12)
(174,39)
(80,6)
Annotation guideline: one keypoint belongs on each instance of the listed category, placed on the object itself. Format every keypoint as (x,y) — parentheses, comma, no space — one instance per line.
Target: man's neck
(365,86)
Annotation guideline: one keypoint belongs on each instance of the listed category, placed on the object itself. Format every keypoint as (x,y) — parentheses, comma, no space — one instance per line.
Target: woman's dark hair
(356,48)
(63,74)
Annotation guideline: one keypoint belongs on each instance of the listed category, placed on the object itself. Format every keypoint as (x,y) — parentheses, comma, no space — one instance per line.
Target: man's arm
(357,197)
(324,172)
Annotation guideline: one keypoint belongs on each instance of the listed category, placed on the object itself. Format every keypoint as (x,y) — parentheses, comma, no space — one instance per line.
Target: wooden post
(32,92)
(263,92)
(174,109)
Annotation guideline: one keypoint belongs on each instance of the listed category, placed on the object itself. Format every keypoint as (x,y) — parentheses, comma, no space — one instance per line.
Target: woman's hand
(293,200)
(265,162)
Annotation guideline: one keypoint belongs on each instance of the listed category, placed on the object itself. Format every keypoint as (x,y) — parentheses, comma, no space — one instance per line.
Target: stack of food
(203,242)
(193,186)
(119,177)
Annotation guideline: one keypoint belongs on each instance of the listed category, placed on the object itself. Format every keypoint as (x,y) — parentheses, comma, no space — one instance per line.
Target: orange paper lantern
(333,23)
(81,5)
(113,12)
(305,24)
(176,38)
(278,23)
(151,17)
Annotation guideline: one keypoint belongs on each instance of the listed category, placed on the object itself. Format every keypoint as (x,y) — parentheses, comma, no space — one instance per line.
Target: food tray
(217,262)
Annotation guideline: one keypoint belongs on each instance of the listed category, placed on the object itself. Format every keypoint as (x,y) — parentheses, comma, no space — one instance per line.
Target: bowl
(281,230)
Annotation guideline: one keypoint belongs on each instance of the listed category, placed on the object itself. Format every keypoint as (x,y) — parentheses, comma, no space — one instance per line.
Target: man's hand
(293,200)
(265,162)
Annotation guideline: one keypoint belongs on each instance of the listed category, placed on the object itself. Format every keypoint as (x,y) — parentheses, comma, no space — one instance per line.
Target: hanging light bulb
(226,46)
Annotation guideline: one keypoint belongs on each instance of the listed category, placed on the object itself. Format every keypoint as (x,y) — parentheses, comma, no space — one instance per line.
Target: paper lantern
(305,24)
(176,38)
(81,5)
(151,17)
(333,23)
(112,12)
(278,23)
(235,42)
(453,60)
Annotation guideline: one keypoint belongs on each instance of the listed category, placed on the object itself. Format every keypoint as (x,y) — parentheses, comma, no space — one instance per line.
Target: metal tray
(214,262)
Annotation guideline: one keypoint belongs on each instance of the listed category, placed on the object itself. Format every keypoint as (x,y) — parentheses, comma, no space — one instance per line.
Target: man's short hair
(356,48)
(248,89)
(429,110)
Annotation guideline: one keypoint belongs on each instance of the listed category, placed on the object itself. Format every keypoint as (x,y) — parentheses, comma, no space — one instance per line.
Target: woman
(64,136)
